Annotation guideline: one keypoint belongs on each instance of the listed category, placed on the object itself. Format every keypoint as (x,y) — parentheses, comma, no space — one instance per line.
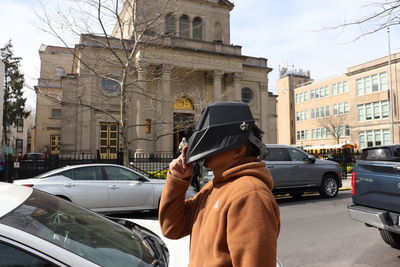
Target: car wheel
(390,238)
(329,186)
(296,194)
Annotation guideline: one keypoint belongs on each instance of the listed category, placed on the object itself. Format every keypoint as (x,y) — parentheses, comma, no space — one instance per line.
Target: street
(318,232)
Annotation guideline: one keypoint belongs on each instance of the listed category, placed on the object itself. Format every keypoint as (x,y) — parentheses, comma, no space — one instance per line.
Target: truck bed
(377,185)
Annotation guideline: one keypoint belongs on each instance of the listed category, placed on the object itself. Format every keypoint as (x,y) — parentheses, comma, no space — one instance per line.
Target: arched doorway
(183,121)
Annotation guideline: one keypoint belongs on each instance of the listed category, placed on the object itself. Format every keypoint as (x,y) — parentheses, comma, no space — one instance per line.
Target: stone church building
(189,64)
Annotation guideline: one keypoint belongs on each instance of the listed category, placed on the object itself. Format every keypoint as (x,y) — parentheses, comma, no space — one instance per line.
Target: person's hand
(179,168)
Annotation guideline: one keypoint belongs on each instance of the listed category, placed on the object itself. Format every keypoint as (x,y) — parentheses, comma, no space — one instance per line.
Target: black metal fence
(152,165)
(346,161)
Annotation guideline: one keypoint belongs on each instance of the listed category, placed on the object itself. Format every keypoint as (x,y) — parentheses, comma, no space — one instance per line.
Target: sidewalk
(346,183)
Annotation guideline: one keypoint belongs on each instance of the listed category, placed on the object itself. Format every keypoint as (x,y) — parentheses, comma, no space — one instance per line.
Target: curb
(344,188)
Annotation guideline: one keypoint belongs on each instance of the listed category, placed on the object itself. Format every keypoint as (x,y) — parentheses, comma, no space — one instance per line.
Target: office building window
(341,108)
(301,97)
(302,115)
(327,111)
(370,84)
(319,92)
(302,135)
(340,88)
(320,112)
(385,109)
(374,138)
(373,111)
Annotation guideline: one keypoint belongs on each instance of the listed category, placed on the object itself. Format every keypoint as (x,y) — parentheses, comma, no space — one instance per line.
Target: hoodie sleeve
(175,212)
(253,228)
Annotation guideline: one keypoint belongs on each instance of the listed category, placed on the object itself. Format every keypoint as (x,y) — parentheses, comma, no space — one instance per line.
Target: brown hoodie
(233,220)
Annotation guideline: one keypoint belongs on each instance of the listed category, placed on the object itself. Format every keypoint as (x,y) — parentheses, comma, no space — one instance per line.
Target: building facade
(353,108)
(56,62)
(190,65)
(19,137)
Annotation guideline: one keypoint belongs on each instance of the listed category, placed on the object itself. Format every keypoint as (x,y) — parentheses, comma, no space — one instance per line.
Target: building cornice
(376,66)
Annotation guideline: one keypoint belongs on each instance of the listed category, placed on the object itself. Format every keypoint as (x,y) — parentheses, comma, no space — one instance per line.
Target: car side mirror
(311,158)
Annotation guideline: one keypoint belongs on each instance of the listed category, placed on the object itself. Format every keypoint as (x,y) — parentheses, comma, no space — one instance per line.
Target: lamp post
(391,100)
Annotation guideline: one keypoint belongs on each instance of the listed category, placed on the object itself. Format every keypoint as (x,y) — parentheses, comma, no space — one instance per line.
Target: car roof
(11,196)
(278,146)
(381,147)
(70,167)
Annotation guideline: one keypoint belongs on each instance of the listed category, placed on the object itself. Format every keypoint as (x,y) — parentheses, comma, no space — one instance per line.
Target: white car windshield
(79,231)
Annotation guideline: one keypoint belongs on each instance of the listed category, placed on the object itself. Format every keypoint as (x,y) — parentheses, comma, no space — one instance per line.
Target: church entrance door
(183,127)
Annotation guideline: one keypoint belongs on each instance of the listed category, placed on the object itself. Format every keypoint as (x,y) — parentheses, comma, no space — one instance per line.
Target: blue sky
(286,31)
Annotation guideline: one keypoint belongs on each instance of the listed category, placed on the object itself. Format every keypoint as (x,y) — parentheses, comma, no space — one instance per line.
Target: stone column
(190,28)
(166,108)
(140,105)
(217,75)
(237,86)
(264,112)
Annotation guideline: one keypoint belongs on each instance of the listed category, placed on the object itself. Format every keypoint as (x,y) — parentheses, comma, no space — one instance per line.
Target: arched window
(59,71)
(184,26)
(247,95)
(197,28)
(217,32)
(170,24)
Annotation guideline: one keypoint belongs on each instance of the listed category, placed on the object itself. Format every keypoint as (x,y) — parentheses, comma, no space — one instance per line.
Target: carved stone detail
(218,74)
(263,86)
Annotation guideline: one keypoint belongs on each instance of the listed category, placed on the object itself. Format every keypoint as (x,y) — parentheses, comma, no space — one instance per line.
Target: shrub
(158,174)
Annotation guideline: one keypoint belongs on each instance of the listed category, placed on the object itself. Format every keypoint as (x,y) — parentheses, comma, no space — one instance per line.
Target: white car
(39,229)
(104,188)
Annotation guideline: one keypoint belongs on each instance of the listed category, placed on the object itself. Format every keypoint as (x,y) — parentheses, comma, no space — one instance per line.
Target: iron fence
(151,165)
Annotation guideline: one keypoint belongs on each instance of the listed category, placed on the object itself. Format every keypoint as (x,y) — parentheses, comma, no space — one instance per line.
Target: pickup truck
(376,191)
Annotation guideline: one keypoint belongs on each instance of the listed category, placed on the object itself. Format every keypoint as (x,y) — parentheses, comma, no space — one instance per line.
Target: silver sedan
(104,188)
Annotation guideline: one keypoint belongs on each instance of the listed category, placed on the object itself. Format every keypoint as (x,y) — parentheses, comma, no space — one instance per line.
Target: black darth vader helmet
(222,126)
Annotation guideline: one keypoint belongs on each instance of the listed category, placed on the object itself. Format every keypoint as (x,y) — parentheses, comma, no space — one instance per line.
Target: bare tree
(138,25)
(334,125)
(386,13)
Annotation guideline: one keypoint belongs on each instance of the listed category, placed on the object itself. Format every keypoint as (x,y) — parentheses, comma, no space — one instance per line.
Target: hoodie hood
(250,166)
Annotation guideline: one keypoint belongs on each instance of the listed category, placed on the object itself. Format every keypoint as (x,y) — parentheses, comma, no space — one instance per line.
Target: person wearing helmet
(234,220)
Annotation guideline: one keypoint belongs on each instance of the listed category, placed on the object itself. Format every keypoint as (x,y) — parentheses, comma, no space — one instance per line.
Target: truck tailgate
(378,185)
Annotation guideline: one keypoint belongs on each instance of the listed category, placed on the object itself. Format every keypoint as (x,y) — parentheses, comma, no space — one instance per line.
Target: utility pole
(391,100)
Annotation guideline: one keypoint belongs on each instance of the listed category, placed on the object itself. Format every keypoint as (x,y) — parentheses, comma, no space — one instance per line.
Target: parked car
(39,229)
(295,172)
(104,188)
(376,192)
(34,156)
